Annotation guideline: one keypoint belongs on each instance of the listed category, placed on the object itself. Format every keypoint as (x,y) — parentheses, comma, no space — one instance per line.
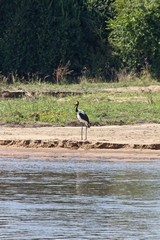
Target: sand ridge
(131,142)
(115,136)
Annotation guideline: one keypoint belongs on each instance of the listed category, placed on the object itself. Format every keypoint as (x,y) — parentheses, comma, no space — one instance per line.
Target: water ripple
(44,199)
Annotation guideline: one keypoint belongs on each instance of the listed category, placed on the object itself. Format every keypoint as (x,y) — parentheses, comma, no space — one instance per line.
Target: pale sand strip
(129,142)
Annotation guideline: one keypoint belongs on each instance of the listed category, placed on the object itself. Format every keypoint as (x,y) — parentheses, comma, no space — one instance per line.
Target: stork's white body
(83,119)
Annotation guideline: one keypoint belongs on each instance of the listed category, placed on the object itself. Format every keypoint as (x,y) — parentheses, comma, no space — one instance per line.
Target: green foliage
(100,11)
(38,35)
(136,33)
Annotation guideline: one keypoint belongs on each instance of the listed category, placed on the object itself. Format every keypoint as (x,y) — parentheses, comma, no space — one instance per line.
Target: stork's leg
(86,134)
(81,131)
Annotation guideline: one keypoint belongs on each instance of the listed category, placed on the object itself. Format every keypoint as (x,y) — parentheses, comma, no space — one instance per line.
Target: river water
(72,199)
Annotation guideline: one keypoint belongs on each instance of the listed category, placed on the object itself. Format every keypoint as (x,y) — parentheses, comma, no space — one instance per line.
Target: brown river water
(72,199)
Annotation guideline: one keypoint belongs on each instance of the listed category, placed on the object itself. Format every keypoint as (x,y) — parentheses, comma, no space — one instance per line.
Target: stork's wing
(83,116)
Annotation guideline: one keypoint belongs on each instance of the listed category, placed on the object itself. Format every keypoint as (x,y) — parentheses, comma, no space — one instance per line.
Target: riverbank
(130,142)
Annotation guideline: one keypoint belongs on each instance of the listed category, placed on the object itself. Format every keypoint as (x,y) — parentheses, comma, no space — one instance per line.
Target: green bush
(135,33)
(37,35)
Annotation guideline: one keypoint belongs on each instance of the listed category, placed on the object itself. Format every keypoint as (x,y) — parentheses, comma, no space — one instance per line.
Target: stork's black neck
(76,108)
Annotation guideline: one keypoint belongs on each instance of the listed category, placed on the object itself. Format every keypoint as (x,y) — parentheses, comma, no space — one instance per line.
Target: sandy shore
(131,142)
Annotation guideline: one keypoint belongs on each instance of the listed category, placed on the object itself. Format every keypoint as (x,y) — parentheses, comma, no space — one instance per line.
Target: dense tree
(100,13)
(38,35)
(136,33)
